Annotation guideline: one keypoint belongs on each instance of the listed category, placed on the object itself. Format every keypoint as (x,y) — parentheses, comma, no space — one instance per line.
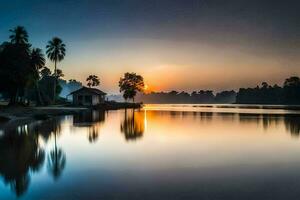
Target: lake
(158,152)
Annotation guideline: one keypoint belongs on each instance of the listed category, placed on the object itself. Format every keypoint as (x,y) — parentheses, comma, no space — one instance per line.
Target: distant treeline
(288,94)
(203,96)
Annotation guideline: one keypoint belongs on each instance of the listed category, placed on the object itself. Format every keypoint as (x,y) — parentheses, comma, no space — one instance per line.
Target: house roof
(89,90)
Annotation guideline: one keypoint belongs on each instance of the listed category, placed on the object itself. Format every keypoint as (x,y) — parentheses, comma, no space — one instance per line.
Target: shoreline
(19,113)
(16,114)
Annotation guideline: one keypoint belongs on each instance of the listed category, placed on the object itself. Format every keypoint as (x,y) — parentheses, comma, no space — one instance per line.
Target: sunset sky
(174,44)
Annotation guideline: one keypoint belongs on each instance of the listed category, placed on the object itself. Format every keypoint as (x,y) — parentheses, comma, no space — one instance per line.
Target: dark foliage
(203,96)
(92,81)
(15,70)
(266,94)
(130,84)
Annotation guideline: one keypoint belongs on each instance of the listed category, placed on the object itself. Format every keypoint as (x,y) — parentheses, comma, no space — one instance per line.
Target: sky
(174,44)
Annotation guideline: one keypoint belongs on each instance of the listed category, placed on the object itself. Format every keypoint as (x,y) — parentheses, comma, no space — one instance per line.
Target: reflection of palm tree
(48,127)
(132,125)
(56,161)
(37,160)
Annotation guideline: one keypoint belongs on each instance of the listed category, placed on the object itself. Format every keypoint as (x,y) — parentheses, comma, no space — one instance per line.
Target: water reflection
(56,160)
(132,125)
(26,149)
(292,124)
(290,121)
(90,119)
(20,154)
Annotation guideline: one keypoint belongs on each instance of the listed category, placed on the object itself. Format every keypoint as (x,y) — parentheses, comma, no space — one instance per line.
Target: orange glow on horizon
(147,89)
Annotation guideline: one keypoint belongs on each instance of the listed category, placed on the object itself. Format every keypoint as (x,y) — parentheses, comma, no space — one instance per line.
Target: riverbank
(111,105)
(12,113)
(8,113)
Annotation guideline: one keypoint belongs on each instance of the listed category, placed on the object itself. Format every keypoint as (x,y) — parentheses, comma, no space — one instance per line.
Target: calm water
(160,152)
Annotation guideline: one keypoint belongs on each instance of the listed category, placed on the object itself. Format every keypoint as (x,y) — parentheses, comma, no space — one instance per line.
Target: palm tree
(37,59)
(56,52)
(19,35)
(93,80)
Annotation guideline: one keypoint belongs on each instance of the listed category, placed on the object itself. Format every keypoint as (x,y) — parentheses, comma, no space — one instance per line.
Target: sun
(146,87)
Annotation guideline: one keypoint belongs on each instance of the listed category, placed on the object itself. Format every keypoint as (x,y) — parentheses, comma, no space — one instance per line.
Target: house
(88,96)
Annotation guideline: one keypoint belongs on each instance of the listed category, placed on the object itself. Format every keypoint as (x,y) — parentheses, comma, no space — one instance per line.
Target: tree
(293,81)
(74,85)
(45,72)
(15,64)
(37,61)
(130,84)
(264,85)
(92,81)
(15,70)
(59,73)
(56,51)
(19,35)
(292,90)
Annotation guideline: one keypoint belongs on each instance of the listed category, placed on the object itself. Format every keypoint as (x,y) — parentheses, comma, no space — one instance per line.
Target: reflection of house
(88,96)
(88,118)
(91,120)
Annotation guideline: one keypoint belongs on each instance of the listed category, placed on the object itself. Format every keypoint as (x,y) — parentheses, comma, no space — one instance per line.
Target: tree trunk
(17,100)
(38,94)
(12,99)
(54,85)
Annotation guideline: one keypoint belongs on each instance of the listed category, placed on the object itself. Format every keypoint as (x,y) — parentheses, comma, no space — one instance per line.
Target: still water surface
(159,152)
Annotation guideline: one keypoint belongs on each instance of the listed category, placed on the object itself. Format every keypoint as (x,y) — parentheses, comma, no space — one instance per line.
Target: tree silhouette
(92,81)
(18,35)
(56,51)
(130,84)
(59,73)
(293,81)
(15,70)
(37,62)
(45,72)
(267,94)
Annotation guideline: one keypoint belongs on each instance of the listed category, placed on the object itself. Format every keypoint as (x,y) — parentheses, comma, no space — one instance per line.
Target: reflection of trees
(291,121)
(56,160)
(90,119)
(20,153)
(48,127)
(132,125)
(292,124)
